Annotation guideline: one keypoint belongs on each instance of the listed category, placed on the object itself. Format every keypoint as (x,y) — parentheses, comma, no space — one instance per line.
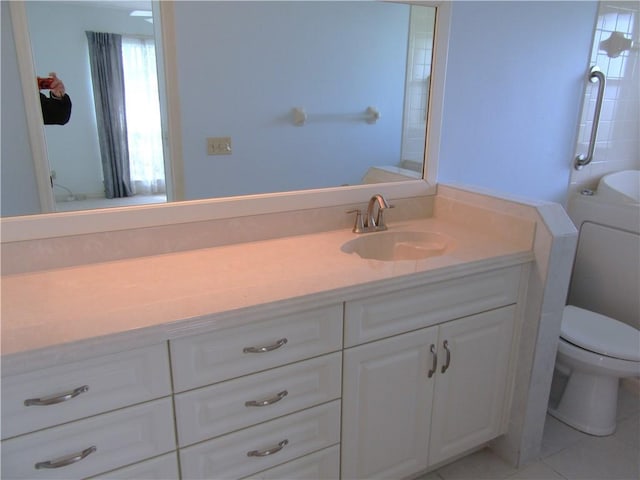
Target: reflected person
(56,108)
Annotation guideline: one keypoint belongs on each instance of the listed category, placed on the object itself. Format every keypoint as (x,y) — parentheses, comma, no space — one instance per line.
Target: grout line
(554,470)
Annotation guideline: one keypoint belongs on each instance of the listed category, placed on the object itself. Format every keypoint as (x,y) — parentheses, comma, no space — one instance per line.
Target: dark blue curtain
(105,58)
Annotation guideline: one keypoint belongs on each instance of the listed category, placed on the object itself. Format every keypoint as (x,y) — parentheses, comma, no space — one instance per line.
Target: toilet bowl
(594,353)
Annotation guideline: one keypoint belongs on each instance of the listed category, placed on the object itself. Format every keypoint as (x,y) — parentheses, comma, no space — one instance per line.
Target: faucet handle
(358,226)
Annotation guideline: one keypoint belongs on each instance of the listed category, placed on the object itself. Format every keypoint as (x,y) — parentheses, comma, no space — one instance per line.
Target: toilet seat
(600,334)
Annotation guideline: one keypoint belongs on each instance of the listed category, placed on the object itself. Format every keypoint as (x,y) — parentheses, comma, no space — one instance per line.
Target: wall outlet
(219,146)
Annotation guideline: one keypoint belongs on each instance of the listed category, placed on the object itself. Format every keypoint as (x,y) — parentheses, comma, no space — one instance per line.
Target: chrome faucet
(370,223)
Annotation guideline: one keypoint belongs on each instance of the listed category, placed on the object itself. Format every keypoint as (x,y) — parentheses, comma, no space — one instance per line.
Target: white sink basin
(394,246)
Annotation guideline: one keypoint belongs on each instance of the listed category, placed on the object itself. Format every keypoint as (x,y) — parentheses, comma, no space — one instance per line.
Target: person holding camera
(56,108)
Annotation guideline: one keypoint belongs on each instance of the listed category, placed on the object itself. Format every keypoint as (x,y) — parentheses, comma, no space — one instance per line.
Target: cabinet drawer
(164,467)
(111,382)
(401,311)
(237,454)
(120,438)
(324,464)
(213,411)
(227,353)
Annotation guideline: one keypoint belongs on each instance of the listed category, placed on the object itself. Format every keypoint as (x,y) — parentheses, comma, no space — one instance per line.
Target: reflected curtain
(146,159)
(105,59)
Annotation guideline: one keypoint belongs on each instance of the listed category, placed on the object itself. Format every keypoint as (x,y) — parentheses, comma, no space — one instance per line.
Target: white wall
(59,44)
(236,78)
(515,81)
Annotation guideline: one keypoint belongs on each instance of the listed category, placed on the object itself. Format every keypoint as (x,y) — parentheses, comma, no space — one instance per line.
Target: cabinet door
(386,404)
(470,395)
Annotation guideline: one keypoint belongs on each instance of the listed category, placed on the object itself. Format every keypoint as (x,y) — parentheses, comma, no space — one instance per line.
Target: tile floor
(567,454)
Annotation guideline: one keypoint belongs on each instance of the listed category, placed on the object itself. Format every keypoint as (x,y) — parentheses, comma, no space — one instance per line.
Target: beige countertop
(166,296)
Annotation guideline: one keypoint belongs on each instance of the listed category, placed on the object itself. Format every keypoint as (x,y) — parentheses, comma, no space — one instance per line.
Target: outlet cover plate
(219,146)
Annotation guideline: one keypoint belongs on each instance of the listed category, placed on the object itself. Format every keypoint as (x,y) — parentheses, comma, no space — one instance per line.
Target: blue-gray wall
(515,83)
(242,68)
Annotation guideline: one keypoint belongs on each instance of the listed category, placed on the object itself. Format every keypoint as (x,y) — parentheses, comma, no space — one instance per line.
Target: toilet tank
(606,272)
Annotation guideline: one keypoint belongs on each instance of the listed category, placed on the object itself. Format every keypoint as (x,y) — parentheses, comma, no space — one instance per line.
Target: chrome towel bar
(595,75)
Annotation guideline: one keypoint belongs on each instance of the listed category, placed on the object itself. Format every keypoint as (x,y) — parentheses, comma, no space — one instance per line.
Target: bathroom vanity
(281,358)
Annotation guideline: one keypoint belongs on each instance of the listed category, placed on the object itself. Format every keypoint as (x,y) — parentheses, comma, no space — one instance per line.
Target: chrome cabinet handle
(268,401)
(57,398)
(447,362)
(268,451)
(434,365)
(267,348)
(67,460)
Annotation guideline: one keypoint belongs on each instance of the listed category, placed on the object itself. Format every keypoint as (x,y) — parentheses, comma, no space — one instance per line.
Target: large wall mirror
(267,97)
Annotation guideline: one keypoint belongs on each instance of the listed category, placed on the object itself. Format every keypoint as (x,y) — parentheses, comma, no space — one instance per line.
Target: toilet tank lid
(600,334)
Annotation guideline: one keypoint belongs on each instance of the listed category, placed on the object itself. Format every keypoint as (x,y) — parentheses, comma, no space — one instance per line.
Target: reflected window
(144,131)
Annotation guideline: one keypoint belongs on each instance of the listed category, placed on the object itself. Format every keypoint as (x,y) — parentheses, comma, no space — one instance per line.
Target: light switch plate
(219,146)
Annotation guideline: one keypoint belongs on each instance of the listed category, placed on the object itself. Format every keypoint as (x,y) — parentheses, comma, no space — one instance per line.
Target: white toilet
(594,352)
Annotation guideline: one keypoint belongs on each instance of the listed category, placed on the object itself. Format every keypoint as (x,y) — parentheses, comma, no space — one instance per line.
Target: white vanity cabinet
(472,382)
(235,351)
(258,396)
(385,386)
(387,404)
(103,413)
(212,411)
(245,452)
(164,467)
(321,465)
(417,398)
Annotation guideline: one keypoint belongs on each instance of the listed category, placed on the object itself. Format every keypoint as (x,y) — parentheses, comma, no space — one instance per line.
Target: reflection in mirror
(296,86)
(110,151)
(357,74)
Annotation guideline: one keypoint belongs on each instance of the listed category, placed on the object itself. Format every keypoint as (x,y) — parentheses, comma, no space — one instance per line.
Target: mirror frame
(48,225)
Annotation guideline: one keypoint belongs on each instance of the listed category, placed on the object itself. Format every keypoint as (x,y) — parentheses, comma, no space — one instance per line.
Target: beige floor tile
(430,476)
(557,436)
(536,471)
(480,465)
(596,458)
(567,454)
(628,432)
(628,403)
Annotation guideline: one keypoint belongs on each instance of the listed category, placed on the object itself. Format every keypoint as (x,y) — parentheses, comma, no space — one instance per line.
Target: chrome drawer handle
(434,365)
(268,451)
(58,398)
(268,348)
(68,460)
(447,362)
(268,401)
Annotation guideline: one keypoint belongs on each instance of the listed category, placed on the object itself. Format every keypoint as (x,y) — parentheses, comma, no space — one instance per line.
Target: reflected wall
(243,67)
